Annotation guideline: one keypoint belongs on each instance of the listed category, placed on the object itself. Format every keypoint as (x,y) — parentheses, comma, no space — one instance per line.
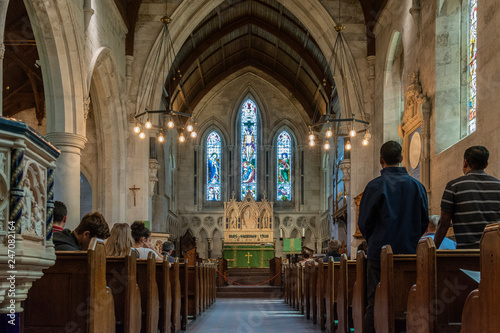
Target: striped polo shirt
(474,202)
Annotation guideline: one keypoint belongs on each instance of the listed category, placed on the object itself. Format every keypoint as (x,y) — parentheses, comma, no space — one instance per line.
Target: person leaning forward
(471,201)
(394,211)
(92,225)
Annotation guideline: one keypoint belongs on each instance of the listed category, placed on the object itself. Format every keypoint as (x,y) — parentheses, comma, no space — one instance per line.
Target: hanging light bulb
(148,124)
(327,145)
(311,136)
(348,145)
(137,128)
(364,142)
(189,127)
(311,143)
(352,133)
(194,134)
(161,138)
(142,135)
(170,123)
(328,133)
(368,136)
(182,138)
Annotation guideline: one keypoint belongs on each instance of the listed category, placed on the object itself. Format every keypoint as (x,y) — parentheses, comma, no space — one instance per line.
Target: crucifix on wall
(133,189)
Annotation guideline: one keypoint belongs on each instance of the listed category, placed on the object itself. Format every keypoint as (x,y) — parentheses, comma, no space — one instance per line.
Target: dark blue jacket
(393,210)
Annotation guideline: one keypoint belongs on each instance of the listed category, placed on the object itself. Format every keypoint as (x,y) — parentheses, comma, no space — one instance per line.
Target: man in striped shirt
(471,201)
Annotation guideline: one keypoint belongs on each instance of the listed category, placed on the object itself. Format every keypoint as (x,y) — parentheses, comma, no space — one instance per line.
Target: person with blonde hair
(120,240)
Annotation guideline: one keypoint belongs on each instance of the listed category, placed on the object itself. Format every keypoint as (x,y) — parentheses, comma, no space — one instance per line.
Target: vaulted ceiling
(237,34)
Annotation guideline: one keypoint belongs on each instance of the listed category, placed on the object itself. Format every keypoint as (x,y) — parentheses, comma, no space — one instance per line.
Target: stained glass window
(284,167)
(249,148)
(472,64)
(213,166)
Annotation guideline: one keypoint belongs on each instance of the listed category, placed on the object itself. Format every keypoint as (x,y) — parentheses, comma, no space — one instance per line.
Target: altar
(248,233)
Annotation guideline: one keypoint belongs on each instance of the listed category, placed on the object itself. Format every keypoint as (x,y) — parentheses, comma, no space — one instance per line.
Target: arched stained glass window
(248,148)
(214,149)
(472,64)
(284,167)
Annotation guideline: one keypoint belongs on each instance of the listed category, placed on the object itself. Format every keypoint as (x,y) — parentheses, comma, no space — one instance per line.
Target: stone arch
(61,58)
(202,244)
(393,88)
(110,117)
(217,239)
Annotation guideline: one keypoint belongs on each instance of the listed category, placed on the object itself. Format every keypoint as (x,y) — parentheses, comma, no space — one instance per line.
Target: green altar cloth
(248,256)
(292,245)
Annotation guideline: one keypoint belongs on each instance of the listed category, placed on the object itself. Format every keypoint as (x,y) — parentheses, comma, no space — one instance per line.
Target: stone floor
(238,315)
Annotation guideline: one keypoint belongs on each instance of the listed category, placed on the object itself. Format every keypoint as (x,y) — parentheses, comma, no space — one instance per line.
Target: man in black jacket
(92,225)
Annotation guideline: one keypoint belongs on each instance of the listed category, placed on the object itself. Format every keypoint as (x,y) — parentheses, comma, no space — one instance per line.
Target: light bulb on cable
(161,138)
(311,136)
(189,128)
(348,145)
(194,134)
(148,124)
(170,123)
(137,128)
(328,133)
(352,133)
(364,142)
(311,143)
(182,138)
(327,145)
(142,135)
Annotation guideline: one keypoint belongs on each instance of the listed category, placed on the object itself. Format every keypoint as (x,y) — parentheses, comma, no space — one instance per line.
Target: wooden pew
(480,312)
(436,301)
(313,310)
(398,274)
(146,279)
(302,289)
(184,280)
(164,296)
(72,295)
(275,271)
(331,294)
(321,287)
(121,277)
(201,287)
(347,278)
(359,294)
(194,299)
(175,283)
(286,284)
(306,303)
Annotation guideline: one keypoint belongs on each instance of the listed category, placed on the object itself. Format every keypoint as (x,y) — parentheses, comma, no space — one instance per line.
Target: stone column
(67,174)
(3,13)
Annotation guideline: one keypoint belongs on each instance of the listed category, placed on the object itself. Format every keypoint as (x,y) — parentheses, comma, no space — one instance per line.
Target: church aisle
(251,316)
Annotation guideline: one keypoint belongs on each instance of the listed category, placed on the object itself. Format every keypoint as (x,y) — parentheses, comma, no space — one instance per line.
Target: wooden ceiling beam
(315,67)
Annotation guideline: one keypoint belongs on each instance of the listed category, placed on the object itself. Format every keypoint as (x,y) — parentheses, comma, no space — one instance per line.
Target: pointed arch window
(213,149)
(472,64)
(284,167)
(249,130)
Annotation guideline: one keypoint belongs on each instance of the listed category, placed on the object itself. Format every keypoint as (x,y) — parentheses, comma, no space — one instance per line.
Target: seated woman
(120,240)
(142,239)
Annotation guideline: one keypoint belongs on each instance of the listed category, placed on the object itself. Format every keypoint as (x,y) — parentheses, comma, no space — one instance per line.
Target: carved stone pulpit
(27,165)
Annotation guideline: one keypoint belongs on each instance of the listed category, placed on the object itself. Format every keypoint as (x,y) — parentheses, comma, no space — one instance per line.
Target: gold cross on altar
(133,189)
(248,255)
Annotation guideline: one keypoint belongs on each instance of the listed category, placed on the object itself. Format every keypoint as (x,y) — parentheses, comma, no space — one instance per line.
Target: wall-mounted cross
(248,255)
(133,189)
